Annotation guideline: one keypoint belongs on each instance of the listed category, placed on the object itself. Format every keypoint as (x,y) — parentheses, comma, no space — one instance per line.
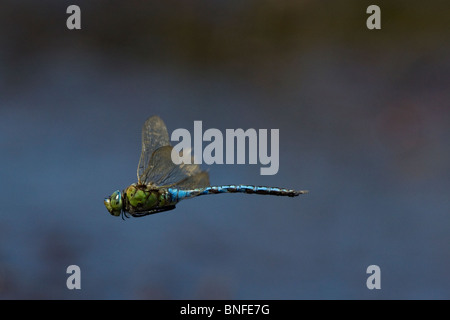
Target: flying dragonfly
(162,184)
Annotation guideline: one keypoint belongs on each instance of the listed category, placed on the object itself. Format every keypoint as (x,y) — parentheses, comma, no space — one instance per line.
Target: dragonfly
(162,183)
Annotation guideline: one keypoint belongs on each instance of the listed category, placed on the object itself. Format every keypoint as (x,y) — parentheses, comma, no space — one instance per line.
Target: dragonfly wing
(154,136)
(199,180)
(161,171)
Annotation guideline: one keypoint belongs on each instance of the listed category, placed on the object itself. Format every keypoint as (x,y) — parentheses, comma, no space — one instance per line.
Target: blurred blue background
(364,125)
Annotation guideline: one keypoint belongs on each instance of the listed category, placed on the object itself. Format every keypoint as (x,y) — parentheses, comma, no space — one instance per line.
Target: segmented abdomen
(180,194)
(275,191)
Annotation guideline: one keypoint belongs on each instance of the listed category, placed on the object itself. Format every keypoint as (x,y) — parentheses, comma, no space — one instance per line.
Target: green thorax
(140,198)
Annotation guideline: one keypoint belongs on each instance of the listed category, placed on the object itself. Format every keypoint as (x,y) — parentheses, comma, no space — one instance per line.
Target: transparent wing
(154,136)
(161,171)
(199,180)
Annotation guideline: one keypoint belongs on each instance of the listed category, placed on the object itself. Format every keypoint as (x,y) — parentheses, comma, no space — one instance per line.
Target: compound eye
(116,200)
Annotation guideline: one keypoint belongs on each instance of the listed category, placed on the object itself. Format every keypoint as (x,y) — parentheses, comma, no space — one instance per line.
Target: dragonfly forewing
(154,136)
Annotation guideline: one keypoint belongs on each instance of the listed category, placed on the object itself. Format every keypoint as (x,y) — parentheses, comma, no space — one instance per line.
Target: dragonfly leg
(157,210)
(124,214)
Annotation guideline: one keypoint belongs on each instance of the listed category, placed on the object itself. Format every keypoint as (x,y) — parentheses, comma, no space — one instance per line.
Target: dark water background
(364,125)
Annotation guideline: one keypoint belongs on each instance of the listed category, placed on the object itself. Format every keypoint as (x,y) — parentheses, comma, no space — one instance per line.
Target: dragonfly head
(114,203)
